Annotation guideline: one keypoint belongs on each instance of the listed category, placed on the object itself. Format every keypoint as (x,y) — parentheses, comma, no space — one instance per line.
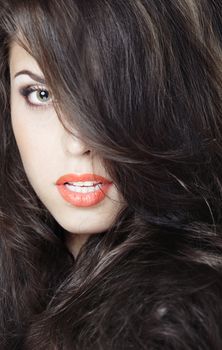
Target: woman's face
(49,152)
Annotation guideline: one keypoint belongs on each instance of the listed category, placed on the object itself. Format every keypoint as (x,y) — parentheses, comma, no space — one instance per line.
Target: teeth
(80,184)
(82,189)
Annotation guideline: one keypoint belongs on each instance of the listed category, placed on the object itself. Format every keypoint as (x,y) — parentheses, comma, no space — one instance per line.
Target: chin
(82,229)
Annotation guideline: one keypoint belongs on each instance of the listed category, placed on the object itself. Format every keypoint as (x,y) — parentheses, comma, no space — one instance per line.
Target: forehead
(20,59)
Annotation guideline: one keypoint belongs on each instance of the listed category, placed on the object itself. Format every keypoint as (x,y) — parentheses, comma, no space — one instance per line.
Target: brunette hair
(141,80)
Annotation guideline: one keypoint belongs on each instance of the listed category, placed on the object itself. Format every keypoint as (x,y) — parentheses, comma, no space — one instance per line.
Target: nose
(75,145)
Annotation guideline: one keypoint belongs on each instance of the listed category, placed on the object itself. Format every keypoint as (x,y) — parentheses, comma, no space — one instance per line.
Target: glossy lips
(76,193)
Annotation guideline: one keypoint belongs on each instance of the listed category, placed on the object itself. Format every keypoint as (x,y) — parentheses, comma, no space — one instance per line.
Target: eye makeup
(36,93)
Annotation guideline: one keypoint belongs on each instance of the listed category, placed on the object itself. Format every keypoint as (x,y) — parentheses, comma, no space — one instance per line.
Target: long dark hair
(141,80)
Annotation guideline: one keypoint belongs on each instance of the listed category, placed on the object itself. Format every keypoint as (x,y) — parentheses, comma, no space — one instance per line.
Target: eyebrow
(32,76)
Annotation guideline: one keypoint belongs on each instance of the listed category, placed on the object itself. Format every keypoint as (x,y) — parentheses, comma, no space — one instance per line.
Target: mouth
(83,190)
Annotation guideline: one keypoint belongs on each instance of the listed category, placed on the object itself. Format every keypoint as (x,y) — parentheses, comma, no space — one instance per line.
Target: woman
(111,175)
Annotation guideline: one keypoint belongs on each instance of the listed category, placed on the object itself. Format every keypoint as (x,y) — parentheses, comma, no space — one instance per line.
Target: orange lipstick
(83,190)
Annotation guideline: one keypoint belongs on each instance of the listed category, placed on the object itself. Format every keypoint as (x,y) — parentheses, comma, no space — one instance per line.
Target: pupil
(44,95)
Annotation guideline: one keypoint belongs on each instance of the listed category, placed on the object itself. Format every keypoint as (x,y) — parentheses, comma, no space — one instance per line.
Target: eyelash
(26,92)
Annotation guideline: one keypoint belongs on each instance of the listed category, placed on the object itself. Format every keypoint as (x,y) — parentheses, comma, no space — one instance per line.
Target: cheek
(30,142)
(23,129)
(35,133)
(33,143)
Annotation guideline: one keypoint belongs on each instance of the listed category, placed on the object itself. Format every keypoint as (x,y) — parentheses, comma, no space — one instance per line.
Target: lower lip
(84,199)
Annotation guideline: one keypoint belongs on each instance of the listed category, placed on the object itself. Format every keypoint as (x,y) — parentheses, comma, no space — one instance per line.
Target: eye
(36,96)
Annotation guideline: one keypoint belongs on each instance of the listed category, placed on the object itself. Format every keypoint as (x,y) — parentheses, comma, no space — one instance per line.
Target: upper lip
(83,177)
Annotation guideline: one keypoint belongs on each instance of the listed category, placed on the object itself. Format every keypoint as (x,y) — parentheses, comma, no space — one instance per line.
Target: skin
(48,151)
